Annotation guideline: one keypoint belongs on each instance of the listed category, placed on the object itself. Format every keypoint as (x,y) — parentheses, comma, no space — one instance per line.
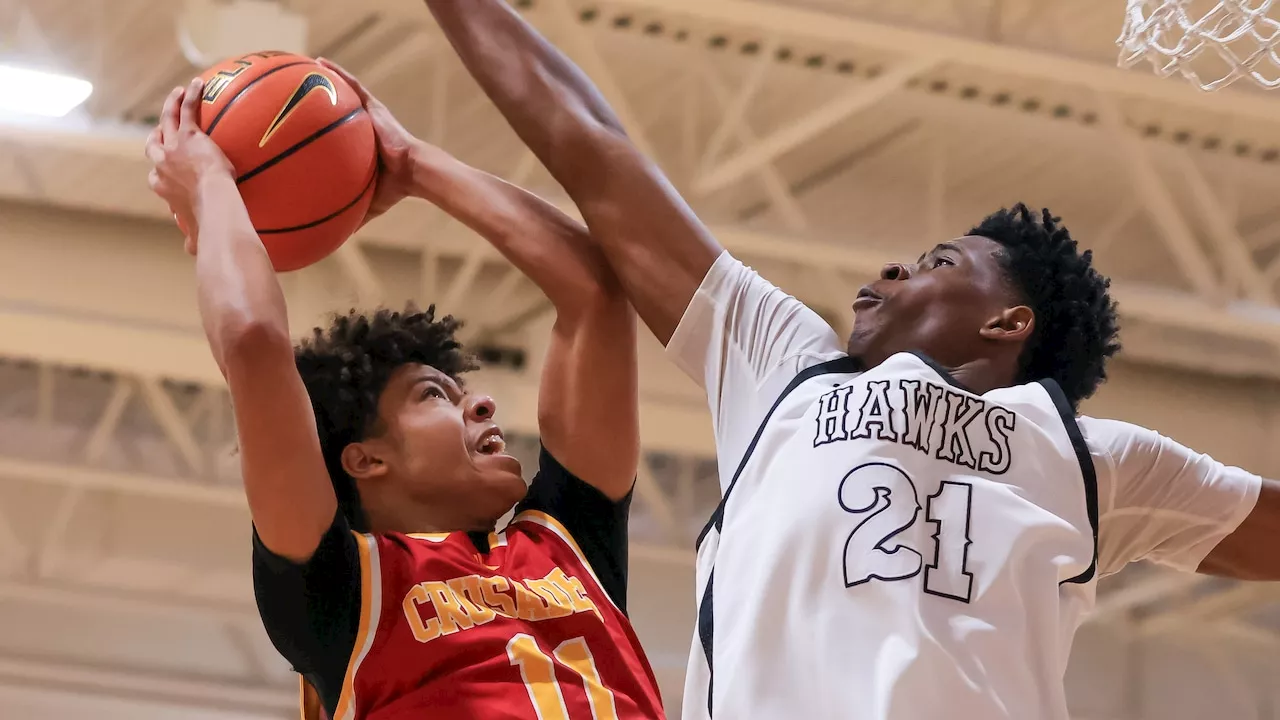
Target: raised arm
(588,413)
(656,245)
(587,401)
(243,311)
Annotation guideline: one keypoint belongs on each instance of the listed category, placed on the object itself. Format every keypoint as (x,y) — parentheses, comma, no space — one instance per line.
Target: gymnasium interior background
(819,138)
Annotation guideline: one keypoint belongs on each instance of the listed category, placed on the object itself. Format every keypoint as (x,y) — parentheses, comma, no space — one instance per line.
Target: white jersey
(890,545)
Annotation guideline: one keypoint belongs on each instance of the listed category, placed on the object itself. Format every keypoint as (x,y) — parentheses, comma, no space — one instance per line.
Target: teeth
(493,444)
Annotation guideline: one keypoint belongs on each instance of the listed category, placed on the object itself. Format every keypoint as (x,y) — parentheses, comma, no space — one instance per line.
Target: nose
(896,271)
(481,407)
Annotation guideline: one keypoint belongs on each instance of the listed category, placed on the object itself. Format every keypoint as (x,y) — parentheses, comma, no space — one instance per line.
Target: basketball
(302,147)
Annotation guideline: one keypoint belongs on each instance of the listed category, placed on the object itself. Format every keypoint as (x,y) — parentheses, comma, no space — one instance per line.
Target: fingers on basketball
(189,113)
(302,148)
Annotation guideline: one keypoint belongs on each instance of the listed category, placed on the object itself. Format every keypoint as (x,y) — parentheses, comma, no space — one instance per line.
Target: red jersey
(524,631)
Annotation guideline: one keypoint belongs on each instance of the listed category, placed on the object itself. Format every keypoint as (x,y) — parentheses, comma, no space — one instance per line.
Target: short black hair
(347,365)
(1076,320)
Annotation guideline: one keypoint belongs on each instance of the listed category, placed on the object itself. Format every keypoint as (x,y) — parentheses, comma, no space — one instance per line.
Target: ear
(364,460)
(1013,324)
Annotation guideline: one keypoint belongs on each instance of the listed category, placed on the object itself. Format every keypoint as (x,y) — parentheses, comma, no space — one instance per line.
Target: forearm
(655,244)
(239,294)
(1247,553)
(547,246)
(529,80)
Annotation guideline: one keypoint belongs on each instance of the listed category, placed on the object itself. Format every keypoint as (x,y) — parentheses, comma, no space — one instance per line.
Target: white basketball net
(1212,43)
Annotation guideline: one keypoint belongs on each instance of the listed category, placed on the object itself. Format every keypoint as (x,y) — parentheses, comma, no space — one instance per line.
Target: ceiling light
(35,92)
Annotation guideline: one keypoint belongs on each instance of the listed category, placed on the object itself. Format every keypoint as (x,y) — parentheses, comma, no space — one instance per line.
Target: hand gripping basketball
(182,156)
(395,147)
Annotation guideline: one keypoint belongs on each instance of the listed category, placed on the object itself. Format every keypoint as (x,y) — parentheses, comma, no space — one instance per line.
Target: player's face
(444,450)
(949,304)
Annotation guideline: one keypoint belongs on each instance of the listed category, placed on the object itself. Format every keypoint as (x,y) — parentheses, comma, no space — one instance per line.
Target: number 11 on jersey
(539,674)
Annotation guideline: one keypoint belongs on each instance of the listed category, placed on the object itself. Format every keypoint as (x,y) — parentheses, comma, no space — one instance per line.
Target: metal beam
(121,393)
(1235,253)
(164,353)
(1160,585)
(83,479)
(648,489)
(1161,206)
(811,124)
(774,183)
(788,20)
(411,48)
(355,265)
(1223,603)
(170,420)
(735,110)
(28,671)
(54,337)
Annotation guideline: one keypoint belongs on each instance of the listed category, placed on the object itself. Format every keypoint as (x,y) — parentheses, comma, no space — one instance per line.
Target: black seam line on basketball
(300,144)
(326,218)
(218,118)
(1089,474)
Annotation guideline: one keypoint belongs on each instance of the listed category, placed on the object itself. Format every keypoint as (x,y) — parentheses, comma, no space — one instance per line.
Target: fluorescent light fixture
(34,92)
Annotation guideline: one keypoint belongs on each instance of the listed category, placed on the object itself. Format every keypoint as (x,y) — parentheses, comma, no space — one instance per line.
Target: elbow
(582,142)
(245,344)
(602,318)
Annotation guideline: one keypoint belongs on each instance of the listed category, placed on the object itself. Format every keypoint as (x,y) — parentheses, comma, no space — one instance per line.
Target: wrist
(210,187)
(428,165)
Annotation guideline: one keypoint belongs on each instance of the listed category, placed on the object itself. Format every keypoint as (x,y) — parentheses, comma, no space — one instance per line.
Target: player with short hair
(912,523)
(375,475)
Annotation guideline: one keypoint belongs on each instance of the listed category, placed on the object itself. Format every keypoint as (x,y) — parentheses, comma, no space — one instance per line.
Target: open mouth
(866,298)
(491,443)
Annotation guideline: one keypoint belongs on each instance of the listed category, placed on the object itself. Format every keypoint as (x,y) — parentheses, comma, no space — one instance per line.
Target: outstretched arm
(245,321)
(1249,552)
(587,401)
(1165,502)
(656,245)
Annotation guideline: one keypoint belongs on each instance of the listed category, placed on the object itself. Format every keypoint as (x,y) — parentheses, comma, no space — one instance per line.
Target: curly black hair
(1076,321)
(345,368)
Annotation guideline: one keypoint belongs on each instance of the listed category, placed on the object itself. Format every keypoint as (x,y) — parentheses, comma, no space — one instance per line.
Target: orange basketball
(302,147)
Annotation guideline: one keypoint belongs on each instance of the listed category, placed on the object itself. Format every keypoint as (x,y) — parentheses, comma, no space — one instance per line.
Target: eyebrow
(941,246)
(443,380)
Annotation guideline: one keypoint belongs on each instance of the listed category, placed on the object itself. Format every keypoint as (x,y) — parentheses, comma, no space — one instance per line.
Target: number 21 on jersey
(887,504)
(538,671)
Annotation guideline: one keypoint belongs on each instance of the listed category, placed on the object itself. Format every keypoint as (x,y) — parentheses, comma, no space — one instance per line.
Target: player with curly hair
(913,522)
(375,475)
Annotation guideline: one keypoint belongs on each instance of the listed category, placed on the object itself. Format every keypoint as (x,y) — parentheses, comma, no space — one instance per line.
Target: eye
(940,261)
(433,391)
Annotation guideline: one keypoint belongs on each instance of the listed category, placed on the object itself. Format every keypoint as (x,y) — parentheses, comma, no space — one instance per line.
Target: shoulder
(591,527)
(1119,449)
(1115,436)
(767,326)
(558,493)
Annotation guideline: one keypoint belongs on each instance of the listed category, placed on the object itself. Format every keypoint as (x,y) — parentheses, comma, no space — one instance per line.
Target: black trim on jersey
(598,524)
(942,372)
(480,539)
(844,364)
(1087,469)
(706,633)
(706,614)
(311,610)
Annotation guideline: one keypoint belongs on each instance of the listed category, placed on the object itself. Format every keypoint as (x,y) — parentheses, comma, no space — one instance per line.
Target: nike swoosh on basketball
(312,82)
